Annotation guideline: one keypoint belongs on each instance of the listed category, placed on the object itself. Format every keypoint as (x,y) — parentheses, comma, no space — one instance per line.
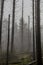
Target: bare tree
(28,34)
(33,34)
(38,35)
(8,40)
(21,29)
(2,7)
(21,32)
(13,18)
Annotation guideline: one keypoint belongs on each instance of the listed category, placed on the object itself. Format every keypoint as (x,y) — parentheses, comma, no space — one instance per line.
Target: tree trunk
(2,7)
(8,40)
(22,30)
(33,35)
(28,35)
(13,18)
(38,35)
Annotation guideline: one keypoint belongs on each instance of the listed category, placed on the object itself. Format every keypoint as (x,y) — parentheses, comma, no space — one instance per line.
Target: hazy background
(27,11)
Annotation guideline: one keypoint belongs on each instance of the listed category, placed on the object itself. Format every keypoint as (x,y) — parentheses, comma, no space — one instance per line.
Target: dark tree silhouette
(8,40)
(38,35)
(22,30)
(2,7)
(33,33)
(13,18)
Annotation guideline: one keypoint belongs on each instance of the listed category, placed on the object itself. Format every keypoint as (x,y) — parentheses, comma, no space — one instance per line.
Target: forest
(21,35)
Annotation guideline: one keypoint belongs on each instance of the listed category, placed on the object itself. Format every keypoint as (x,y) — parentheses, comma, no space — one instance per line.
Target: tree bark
(33,35)
(8,40)
(38,35)
(22,30)
(2,7)
(13,18)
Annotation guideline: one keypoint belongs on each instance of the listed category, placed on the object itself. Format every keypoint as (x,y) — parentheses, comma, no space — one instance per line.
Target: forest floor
(16,59)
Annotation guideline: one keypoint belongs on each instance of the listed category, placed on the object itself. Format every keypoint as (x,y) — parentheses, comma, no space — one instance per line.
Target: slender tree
(13,18)
(33,34)
(22,30)
(8,40)
(38,35)
(28,34)
(21,33)
(2,7)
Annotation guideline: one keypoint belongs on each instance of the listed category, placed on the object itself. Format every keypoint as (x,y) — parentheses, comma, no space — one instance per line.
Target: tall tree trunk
(22,30)
(28,34)
(8,40)
(33,34)
(2,7)
(13,18)
(38,35)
